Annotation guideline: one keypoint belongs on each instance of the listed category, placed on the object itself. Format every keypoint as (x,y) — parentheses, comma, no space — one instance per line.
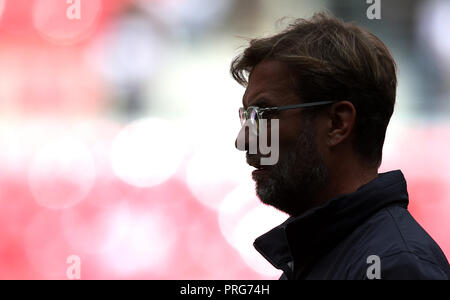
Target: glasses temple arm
(301,105)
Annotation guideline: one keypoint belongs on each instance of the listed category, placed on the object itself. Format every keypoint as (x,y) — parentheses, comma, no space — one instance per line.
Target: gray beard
(293,183)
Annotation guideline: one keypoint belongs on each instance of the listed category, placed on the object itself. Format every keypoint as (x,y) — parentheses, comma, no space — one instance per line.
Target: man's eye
(269,114)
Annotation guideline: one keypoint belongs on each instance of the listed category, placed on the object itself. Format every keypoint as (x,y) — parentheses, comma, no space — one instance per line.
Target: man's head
(313,60)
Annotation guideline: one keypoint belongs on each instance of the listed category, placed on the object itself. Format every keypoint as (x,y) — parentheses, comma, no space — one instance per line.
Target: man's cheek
(286,144)
(288,135)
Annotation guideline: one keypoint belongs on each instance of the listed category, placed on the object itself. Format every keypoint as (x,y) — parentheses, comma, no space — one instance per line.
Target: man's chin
(265,187)
(260,173)
(264,182)
(272,190)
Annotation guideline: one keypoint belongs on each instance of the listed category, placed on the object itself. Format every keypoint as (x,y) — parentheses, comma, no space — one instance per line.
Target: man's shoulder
(394,230)
(402,246)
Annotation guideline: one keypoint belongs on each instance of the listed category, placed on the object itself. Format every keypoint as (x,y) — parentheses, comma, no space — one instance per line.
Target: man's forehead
(267,77)
(270,69)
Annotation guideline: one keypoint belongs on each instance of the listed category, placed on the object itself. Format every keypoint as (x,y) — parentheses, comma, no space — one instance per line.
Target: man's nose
(247,139)
(241,142)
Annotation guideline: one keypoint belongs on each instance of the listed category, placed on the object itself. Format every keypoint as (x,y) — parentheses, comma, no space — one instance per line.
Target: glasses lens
(254,119)
(250,114)
(242,114)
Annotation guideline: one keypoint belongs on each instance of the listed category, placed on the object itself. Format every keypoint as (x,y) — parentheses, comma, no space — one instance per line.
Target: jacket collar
(302,240)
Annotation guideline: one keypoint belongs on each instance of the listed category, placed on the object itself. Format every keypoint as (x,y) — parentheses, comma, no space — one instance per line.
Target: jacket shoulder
(409,266)
(404,248)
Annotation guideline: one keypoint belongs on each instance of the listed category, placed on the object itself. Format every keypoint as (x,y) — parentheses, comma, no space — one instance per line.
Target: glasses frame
(249,113)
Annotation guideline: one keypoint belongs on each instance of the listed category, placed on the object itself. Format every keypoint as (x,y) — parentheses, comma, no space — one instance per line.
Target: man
(332,86)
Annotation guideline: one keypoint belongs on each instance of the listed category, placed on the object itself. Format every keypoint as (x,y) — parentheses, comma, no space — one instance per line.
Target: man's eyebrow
(261,102)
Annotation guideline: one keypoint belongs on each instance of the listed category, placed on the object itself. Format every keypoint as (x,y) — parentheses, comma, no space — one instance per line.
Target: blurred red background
(114,146)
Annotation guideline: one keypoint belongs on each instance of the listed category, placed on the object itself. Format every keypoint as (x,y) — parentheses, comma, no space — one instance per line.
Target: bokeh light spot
(147,152)
(242,218)
(57,20)
(138,241)
(61,173)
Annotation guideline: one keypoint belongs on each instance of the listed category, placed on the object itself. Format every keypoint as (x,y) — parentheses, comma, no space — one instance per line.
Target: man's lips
(255,161)
(259,172)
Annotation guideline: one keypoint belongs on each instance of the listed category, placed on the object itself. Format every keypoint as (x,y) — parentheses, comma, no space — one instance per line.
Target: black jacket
(334,241)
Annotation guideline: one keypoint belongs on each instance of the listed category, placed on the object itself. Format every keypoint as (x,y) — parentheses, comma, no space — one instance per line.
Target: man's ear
(341,120)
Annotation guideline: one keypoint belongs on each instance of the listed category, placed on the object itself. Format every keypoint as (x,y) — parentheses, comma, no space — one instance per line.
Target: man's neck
(345,180)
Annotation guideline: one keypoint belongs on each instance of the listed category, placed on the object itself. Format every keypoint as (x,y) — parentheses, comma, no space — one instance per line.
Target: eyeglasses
(254,113)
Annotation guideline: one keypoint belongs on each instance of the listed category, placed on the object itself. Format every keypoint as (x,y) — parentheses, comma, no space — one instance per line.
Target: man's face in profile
(291,184)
